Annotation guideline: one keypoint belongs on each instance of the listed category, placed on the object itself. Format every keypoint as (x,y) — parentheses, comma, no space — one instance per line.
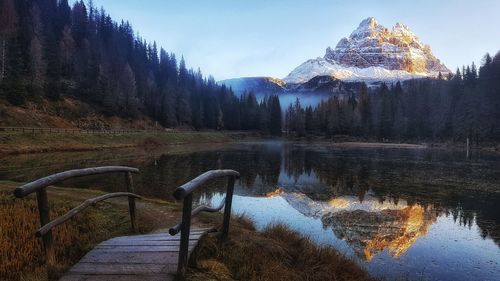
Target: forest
(51,51)
(459,106)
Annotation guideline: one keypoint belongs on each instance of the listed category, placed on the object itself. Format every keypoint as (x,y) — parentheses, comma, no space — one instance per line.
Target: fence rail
(39,186)
(185,193)
(40,130)
(45,130)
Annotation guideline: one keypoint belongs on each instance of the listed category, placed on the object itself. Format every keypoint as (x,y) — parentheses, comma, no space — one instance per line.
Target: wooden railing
(39,130)
(39,186)
(46,130)
(185,192)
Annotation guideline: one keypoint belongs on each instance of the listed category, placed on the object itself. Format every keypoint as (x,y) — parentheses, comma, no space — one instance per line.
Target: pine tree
(386,112)
(79,23)
(365,109)
(38,66)
(309,120)
(8,22)
(183,107)
(127,101)
(275,116)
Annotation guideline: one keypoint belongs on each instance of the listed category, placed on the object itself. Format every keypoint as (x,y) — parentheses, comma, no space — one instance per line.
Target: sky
(238,38)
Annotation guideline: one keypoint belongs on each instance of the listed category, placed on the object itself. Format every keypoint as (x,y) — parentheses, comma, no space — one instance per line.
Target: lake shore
(21,143)
(14,143)
(22,255)
(347,141)
(380,145)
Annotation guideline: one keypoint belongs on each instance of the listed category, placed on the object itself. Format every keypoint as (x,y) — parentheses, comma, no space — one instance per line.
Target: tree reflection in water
(373,198)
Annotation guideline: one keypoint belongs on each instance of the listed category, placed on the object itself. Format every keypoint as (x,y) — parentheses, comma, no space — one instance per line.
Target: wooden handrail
(73,212)
(187,188)
(177,228)
(40,187)
(38,184)
(51,130)
(185,192)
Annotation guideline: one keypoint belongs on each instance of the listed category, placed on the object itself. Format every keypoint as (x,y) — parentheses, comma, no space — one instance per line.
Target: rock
(373,53)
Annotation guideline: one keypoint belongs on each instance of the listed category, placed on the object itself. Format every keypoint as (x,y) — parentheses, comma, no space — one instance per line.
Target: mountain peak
(399,25)
(370,22)
(403,30)
(367,28)
(373,52)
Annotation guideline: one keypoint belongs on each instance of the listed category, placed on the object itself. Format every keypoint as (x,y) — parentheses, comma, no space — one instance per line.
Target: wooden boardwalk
(159,256)
(141,257)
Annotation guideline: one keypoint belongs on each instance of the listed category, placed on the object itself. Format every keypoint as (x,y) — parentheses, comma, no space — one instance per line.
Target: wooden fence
(185,193)
(40,130)
(39,187)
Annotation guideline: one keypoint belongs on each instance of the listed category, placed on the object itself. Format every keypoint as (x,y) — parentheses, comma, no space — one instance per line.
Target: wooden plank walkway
(147,257)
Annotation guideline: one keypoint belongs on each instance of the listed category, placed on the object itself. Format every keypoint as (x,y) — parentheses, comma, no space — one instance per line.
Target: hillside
(67,113)
(80,58)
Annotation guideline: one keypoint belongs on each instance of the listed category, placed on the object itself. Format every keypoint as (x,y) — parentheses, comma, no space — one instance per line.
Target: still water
(403,214)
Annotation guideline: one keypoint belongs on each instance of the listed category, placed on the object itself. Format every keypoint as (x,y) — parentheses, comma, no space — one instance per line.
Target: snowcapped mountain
(373,53)
(323,67)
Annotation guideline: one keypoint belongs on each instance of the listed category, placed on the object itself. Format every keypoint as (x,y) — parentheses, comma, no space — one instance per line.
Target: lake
(404,214)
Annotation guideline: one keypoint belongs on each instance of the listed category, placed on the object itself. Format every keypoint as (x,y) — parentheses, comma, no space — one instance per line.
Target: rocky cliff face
(329,84)
(369,233)
(372,44)
(373,53)
(368,226)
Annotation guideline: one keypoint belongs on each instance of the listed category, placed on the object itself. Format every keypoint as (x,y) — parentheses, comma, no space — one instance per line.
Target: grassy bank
(274,254)
(16,143)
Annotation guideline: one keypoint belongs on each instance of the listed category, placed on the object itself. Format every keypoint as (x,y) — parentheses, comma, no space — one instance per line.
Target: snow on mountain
(322,67)
(317,209)
(373,53)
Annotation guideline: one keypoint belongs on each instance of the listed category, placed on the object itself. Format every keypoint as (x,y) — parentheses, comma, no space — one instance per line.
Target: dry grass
(18,142)
(22,255)
(274,254)
(277,253)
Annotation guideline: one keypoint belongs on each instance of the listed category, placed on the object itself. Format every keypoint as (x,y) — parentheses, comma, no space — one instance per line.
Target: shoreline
(26,143)
(380,145)
(78,236)
(370,143)
(17,143)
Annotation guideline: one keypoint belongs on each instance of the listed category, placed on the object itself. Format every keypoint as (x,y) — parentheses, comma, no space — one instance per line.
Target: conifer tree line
(456,107)
(49,50)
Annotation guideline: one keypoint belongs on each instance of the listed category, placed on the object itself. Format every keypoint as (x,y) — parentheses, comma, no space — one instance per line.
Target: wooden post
(185,229)
(43,209)
(468,149)
(2,71)
(227,209)
(131,200)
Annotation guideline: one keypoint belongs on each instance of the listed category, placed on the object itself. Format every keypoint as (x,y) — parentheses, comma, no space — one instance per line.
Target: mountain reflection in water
(416,214)
(369,225)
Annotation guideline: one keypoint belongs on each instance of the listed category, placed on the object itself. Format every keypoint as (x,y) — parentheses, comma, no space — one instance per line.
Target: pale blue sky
(235,38)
